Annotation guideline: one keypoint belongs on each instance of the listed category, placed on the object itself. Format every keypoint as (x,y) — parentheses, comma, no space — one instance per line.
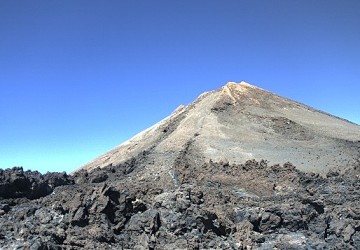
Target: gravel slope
(239,122)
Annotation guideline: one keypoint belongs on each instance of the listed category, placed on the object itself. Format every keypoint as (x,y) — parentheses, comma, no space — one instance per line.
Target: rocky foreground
(216,206)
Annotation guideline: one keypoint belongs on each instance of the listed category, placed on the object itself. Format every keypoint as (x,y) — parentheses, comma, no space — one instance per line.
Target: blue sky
(79,77)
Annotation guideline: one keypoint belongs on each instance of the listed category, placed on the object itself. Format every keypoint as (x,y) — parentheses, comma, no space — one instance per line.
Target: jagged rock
(140,215)
(269,222)
(17,183)
(349,231)
(148,222)
(80,217)
(99,178)
(4,208)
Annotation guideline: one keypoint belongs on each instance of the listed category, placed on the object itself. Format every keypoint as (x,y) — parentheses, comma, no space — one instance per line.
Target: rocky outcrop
(220,206)
(17,183)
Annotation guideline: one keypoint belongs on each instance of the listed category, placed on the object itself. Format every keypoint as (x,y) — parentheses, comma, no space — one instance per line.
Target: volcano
(239,168)
(240,122)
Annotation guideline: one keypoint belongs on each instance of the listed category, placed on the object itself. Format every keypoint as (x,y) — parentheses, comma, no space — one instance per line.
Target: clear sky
(79,77)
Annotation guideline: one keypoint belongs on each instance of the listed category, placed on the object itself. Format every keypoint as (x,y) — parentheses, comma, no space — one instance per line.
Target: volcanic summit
(240,122)
(239,168)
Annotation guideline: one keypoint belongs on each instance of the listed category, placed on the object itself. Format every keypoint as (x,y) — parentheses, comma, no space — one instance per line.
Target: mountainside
(239,122)
(206,177)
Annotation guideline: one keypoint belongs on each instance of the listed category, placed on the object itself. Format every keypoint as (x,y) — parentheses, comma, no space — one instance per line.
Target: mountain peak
(240,86)
(233,92)
(240,122)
